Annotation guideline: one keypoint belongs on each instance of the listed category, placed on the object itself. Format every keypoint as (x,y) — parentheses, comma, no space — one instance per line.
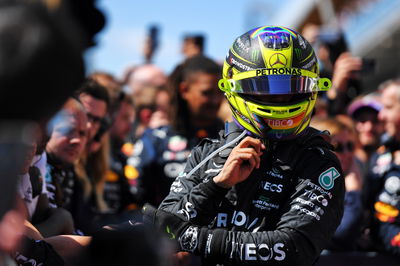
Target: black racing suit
(284,213)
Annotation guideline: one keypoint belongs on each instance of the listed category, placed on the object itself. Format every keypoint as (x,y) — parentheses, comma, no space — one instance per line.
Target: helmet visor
(275,81)
(283,84)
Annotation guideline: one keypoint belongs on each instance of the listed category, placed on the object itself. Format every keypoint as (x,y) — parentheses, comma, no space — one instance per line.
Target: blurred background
(370,27)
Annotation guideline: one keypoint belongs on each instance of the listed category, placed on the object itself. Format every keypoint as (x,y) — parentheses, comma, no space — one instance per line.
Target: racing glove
(189,237)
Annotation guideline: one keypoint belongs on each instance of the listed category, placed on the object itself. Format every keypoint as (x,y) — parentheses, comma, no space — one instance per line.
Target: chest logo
(327,178)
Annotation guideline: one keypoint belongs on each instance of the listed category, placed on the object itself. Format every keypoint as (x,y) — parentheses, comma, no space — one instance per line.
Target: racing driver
(270,190)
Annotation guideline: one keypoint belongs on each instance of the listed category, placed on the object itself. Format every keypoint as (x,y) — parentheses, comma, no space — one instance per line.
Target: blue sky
(121,42)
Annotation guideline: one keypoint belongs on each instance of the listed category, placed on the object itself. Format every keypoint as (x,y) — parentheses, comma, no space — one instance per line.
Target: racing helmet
(271,80)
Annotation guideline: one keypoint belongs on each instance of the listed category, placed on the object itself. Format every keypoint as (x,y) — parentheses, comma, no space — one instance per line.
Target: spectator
(144,76)
(384,178)
(95,100)
(163,106)
(39,41)
(33,43)
(93,172)
(193,45)
(113,87)
(120,197)
(336,63)
(364,111)
(161,153)
(66,145)
(93,164)
(32,190)
(145,107)
(117,193)
(29,192)
(343,141)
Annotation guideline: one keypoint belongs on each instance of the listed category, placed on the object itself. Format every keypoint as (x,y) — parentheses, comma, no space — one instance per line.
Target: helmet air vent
(294,109)
(264,110)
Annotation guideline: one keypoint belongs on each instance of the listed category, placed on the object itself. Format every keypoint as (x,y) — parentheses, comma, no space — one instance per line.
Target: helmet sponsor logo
(310,64)
(278,71)
(242,116)
(284,124)
(302,42)
(241,65)
(280,123)
(244,47)
(298,52)
(277,60)
(327,178)
(255,54)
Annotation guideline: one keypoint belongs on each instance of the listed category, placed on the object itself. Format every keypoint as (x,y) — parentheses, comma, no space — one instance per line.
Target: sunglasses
(94,118)
(342,147)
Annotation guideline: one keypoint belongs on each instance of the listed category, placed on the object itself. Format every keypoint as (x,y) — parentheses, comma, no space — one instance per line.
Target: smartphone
(153,35)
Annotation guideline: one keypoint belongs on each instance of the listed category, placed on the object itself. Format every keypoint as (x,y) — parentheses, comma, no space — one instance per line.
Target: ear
(183,89)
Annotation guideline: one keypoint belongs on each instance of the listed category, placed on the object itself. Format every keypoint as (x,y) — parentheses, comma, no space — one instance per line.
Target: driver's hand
(241,162)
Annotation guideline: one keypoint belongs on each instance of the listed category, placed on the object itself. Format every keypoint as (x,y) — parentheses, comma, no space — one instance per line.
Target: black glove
(176,228)
(124,227)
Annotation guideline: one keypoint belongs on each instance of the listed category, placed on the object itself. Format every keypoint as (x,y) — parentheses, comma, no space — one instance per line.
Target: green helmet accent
(271,79)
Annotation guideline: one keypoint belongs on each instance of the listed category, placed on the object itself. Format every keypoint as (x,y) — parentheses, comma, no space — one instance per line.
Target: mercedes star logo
(277,60)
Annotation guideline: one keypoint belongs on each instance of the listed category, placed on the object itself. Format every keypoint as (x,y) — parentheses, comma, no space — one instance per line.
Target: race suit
(284,213)
(384,199)
(160,155)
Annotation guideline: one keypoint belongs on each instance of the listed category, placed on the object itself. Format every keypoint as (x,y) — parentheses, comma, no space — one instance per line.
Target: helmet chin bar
(264,135)
(261,134)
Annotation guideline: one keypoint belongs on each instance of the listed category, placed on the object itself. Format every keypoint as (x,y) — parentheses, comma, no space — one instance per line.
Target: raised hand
(241,162)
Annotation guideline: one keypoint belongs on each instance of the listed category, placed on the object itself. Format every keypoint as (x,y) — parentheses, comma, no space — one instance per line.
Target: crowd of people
(239,179)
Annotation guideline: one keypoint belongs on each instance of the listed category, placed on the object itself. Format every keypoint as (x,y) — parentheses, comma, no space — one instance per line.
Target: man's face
(368,127)
(68,138)
(202,96)
(123,121)
(96,111)
(344,148)
(390,113)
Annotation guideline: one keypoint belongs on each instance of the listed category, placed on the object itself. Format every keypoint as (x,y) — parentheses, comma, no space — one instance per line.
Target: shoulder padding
(289,153)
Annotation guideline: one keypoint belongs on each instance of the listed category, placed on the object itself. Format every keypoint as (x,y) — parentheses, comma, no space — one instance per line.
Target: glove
(190,238)
(130,225)
(176,228)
